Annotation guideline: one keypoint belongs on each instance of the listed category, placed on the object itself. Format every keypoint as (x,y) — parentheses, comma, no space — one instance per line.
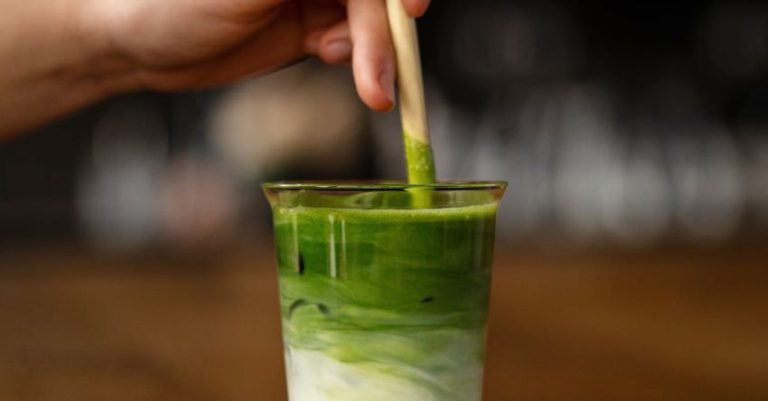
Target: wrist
(55,59)
(109,70)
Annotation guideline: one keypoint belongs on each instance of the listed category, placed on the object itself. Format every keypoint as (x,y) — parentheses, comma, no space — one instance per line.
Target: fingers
(373,59)
(284,40)
(416,8)
(335,45)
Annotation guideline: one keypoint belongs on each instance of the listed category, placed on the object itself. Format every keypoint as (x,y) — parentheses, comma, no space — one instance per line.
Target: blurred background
(632,263)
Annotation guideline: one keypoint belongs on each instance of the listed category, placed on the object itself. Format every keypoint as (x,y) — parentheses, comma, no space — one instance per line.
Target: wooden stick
(413,111)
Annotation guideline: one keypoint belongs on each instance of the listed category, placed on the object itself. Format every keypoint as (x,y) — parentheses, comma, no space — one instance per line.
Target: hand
(179,44)
(60,55)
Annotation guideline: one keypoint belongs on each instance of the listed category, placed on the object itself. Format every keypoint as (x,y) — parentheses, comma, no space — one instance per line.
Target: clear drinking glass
(384,288)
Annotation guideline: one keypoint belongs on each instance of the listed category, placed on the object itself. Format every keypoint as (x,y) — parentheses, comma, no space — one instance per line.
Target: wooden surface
(574,325)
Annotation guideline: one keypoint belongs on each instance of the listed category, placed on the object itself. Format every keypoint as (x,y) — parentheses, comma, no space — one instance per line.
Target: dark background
(648,111)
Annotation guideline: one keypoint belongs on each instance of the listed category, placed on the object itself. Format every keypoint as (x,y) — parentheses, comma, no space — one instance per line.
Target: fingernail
(423,9)
(387,82)
(338,50)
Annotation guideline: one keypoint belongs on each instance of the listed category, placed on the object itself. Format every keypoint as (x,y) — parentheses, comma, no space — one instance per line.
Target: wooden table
(568,325)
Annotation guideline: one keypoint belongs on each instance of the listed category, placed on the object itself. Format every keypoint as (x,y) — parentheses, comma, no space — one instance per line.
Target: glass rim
(347,186)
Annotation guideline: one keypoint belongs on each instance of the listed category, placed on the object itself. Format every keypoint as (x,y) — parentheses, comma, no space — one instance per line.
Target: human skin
(57,56)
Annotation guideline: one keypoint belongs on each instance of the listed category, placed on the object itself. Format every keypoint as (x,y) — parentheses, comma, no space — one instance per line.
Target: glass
(384,288)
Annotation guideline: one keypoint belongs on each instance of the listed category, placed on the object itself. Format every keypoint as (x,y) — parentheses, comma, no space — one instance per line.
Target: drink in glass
(384,288)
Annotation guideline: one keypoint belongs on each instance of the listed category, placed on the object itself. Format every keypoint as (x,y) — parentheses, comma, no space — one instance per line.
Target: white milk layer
(313,376)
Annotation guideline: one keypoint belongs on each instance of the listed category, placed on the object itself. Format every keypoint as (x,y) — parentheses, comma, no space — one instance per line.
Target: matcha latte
(382,300)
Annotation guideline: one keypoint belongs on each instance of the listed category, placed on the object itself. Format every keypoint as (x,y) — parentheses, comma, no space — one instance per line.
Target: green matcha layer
(395,301)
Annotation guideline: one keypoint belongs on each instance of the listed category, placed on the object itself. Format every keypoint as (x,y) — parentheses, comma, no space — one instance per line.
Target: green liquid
(384,304)
(419,160)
